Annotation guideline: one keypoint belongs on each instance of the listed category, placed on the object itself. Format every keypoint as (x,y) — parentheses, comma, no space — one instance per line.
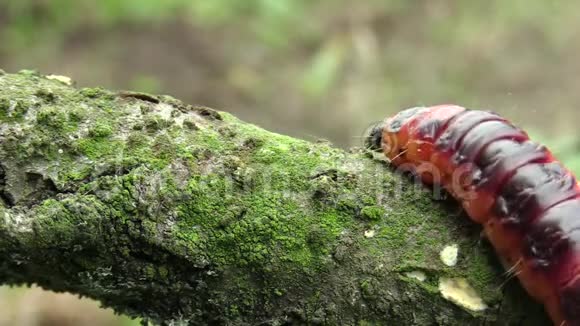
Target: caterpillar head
(374,136)
(395,133)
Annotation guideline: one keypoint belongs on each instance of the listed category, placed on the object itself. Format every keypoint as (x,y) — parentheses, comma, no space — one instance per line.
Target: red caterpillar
(527,202)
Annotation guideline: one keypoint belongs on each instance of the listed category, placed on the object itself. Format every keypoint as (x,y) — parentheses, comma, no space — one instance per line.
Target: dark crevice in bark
(140,96)
(6,198)
(43,188)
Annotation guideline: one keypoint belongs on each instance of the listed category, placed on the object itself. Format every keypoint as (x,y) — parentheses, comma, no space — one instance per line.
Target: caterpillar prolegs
(527,202)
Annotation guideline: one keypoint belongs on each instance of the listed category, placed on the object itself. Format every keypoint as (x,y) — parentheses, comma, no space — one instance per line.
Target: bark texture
(185,215)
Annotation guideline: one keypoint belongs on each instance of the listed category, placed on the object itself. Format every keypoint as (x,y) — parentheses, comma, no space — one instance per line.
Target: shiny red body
(527,202)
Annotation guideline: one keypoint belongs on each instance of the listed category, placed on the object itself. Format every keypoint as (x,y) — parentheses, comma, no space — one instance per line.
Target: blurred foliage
(326,68)
(565,148)
(143,83)
(35,307)
(339,64)
(273,20)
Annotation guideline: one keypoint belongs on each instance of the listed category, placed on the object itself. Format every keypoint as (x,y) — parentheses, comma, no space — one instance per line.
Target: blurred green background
(311,69)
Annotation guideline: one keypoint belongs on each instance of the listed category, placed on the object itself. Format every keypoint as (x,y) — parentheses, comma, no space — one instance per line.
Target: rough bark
(183,214)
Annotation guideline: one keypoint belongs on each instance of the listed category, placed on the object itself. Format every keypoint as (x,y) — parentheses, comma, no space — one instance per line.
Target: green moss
(271,229)
(67,222)
(52,117)
(150,272)
(156,122)
(373,213)
(77,114)
(164,148)
(100,129)
(162,272)
(190,124)
(12,110)
(77,173)
(366,287)
(98,148)
(95,92)
(210,141)
(46,95)
(367,323)
(483,271)
(396,230)
(29,73)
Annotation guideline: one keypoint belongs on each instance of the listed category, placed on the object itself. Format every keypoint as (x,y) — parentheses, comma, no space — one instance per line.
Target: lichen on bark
(180,213)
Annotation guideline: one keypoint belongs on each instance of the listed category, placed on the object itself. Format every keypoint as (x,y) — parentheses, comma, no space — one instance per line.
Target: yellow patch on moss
(449,255)
(63,79)
(458,291)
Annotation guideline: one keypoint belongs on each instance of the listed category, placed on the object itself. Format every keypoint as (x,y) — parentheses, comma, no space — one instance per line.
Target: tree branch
(183,214)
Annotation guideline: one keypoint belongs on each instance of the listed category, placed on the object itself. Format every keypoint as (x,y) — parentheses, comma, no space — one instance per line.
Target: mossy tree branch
(184,214)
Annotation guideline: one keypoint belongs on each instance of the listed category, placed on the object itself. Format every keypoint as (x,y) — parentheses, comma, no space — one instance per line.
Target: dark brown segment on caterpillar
(402,117)
(455,131)
(481,136)
(570,298)
(552,235)
(430,129)
(501,159)
(531,191)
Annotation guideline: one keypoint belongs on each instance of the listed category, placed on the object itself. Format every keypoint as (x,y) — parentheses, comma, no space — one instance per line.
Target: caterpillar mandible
(527,202)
